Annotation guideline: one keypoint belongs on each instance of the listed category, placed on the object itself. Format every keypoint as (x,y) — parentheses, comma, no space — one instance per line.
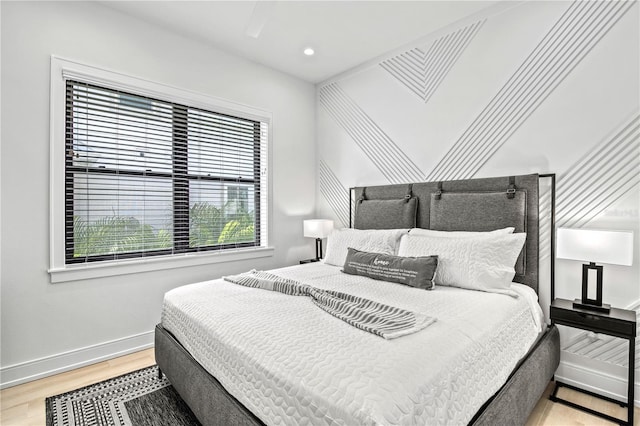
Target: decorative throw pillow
(378,241)
(458,234)
(479,263)
(412,271)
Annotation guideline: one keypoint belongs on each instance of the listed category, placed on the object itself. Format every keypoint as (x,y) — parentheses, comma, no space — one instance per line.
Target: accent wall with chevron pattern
(547,87)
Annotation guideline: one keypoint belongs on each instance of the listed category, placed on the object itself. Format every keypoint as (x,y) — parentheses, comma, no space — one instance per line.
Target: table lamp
(614,247)
(318,229)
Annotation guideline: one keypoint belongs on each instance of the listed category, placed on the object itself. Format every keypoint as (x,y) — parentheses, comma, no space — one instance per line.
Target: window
(147,177)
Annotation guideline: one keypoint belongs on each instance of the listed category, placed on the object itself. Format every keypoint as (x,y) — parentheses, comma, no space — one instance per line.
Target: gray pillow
(386,214)
(412,271)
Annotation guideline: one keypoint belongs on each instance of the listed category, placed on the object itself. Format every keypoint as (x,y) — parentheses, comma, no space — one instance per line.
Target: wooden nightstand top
(618,322)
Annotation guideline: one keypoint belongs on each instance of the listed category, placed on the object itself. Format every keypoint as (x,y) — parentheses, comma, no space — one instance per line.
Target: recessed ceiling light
(309,51)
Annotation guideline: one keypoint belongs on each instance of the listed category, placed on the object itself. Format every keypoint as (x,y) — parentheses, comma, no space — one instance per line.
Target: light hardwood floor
(547,413)
(23,405)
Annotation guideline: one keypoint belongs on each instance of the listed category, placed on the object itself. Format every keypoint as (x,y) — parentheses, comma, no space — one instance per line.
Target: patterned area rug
(139,398)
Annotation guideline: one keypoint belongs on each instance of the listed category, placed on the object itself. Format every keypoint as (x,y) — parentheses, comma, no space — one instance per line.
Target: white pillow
(383,241)
(458,234)
(483,263)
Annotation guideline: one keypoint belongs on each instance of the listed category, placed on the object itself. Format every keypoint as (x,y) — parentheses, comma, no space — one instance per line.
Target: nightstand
(302,262)
(619,323)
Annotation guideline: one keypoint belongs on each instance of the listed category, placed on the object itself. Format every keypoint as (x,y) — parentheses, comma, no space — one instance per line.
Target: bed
(260,357)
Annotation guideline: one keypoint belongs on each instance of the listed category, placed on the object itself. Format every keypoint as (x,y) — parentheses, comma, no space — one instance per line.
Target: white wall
(508,95)
(45,327)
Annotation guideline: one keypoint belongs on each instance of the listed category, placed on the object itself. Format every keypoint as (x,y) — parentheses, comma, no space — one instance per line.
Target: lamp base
(318,248)
(605,307)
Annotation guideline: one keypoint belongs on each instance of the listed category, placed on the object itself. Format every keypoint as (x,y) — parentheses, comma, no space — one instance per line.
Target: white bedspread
(291,363)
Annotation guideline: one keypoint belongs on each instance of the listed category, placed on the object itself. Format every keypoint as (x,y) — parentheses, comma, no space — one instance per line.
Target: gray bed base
(203,393)
(213,405)
(515,400)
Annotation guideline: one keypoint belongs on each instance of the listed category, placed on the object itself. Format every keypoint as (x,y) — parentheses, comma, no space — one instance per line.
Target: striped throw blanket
(373,317)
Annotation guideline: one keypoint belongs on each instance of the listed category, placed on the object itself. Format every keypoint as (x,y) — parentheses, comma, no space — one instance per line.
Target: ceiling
(343,34)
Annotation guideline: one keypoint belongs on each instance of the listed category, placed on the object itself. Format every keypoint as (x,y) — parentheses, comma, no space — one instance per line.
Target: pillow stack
(473,260)
(477,261)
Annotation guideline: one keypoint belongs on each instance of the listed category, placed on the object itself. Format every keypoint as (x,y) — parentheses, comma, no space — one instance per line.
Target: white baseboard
(597,381)
(16,374)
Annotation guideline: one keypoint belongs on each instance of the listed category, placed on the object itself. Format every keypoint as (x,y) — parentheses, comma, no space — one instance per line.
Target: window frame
(60,271)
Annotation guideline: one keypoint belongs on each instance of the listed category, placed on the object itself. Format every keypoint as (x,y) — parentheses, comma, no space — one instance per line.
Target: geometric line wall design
(336,195)
(422,70)
(564,46)
(598,179)
(392,162)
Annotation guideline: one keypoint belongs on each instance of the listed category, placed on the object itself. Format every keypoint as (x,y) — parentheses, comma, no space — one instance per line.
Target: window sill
(108,269)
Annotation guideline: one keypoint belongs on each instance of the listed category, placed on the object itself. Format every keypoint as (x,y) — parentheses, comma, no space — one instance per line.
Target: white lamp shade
(614,247)
(317,228)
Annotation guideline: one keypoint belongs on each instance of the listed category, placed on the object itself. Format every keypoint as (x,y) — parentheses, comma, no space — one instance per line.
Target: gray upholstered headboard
(459,205)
